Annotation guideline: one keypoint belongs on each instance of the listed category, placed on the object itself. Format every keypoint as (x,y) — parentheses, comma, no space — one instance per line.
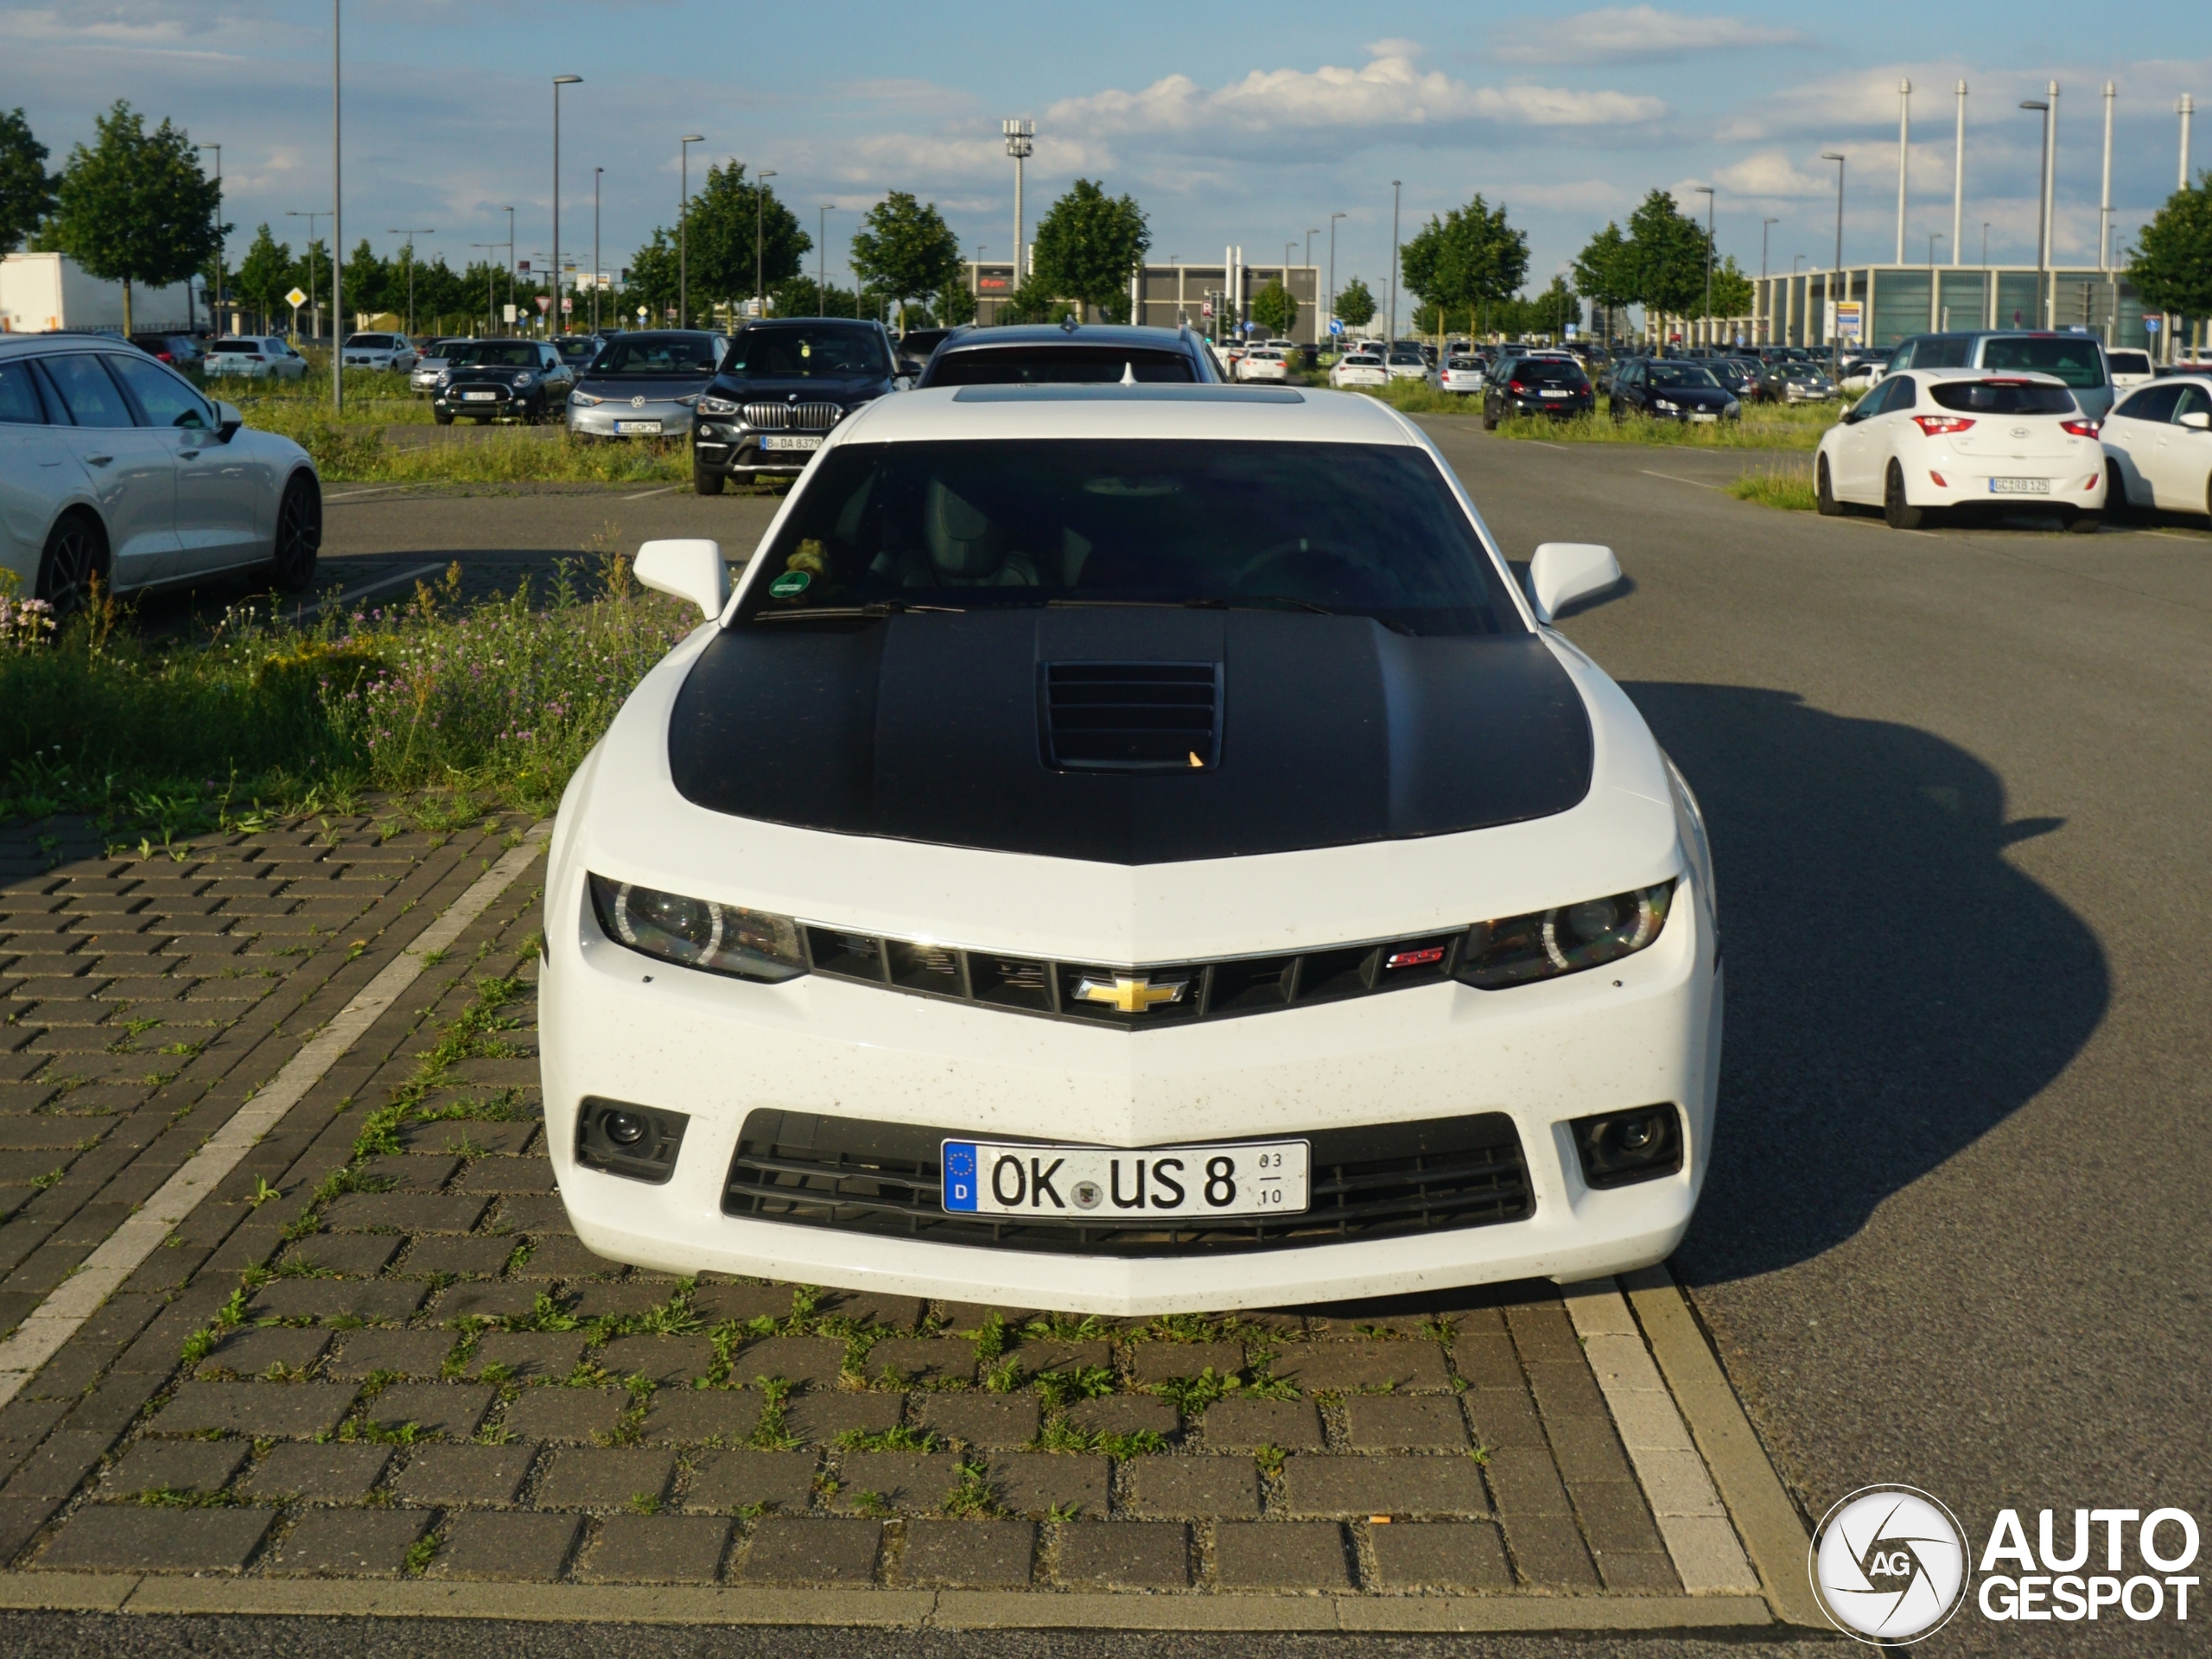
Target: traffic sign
(1336,325)
(2150,324)
(544,303)
(296,298)
(568,304)
(1206,310)
(509,309)
(642,314)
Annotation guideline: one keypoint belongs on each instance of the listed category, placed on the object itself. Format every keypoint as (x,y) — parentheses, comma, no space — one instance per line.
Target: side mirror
(1562,572)
(690,569)
(2196,420)
(227,420)
(902,383)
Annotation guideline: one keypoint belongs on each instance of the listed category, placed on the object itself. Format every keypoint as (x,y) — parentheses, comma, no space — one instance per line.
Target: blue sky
(1567,117)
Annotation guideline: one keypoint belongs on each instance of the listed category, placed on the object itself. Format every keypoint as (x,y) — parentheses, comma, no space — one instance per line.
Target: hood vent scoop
(1131,716)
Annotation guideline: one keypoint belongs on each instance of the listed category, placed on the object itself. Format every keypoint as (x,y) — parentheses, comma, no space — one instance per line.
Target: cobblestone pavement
(379,1353)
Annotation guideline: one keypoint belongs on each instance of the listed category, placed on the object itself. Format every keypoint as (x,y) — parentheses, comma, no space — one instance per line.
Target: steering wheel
(1309,559)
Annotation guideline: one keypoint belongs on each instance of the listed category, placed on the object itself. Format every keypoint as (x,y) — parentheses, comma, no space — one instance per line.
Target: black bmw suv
(781,385)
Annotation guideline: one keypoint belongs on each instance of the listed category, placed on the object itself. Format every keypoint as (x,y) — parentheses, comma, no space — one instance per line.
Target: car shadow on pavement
(1895,988)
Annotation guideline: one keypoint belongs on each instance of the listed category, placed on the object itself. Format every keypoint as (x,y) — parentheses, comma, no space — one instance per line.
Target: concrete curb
(151,1593)
(65,1311)
(1767,1521)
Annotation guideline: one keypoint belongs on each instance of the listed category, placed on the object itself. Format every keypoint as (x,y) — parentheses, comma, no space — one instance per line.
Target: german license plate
(1703,420)
(785,440)
(2019,486)
(1555,394)
(480,397)
(637,428)
(1110,1184)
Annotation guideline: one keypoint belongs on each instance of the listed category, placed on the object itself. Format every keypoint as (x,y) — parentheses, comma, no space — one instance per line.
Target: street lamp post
(411,232)
(1395,185)
(683,229)
(759,211)
(1333,217)
(559,82)
(595,273)
(489,301)
(1765,225)
(509,212)
(1934,237)
(220,238)
(1021,144)
(315,300)
(2048,107)
(337,225)
(1835,340)
(1706,190)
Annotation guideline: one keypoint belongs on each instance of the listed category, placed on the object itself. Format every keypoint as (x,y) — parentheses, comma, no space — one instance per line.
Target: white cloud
(1388,93)
(1771,176)
(1642,34)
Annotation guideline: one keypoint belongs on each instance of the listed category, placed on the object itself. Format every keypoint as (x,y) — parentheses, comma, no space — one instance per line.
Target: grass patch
(1419,397)
(1762,426)
(479,704)
(353,453)
(1788,487)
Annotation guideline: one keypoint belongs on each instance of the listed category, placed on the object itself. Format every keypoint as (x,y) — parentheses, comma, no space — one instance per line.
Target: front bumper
(606,420)
(735,449)
(618,1026)
(507,402)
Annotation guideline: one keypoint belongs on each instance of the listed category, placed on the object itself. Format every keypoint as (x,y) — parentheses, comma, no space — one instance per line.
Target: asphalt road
(1957,782)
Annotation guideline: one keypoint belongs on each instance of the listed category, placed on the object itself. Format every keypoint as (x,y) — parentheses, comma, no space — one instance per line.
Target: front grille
(781,417)
(1382,1181)
(1156,996)
(1132,716)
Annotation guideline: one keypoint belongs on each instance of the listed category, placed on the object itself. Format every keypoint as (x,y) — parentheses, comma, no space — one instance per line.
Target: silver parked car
(393,352)
(423,380)
(255,357)
(646,385)
(113,468)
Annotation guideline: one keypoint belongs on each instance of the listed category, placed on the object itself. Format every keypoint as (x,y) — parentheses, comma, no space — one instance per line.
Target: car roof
(1088,333)
(23,345)
(2036,375)
(1152,410)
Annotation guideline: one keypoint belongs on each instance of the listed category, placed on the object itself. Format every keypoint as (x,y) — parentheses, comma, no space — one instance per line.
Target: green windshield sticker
(790,585)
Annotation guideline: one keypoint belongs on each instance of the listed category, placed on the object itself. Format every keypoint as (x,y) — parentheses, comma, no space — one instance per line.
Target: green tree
(954,304)
(653,278)
(905,248)
(264,276)
(2172,267)
(368,286)
(1356,307)
(1031,303)
(1274,307)
(726,216)
(1732,290)
(799,297)
(1667,255)
(1604,272)
(136,209)
(1470,258)
(311,275)
(26,188)
(1088,244)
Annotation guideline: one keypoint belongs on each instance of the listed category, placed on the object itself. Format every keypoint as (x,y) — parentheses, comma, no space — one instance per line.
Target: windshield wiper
(880,607)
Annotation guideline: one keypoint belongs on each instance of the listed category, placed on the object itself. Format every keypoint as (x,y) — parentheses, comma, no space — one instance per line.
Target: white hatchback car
(1927,440)
(113,468)
(2157,443)
(253,357)
(1264,363)
(1358,369)
(1131,849)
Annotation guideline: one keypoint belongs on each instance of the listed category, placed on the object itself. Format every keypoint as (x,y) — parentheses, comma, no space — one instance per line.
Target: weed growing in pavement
(873,1504)
(1006,1377)
(1192,1394)
(1062,1514)
(898,1437)
(630,1428)
(989,1337)
(1271,1459)
(178,1498)
(1068,1327)
(1059,1388)
(421,1552)
(770,1433)
(1788,487)
(971,1497)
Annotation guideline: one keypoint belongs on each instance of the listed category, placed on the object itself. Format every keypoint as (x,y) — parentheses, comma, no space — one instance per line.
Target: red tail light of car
(1935,426)
(2082,429)
(1515,386)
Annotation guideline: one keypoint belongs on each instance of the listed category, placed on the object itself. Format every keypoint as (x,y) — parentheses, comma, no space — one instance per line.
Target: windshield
(1049,365)
(664,355)
(1682,376)
(1405,357)
(2074,359)
(234,345)
(2002,397)
(809,353)
(1460,363)
(1367,529)
(494,354)
(1800,372)
(369,342)
(1362,361)
(2129,362)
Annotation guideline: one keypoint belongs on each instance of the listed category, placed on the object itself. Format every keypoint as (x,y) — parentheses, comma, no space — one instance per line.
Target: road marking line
(1694,483)
(1692,1519)
(663,489)
(78,1297)
(378,489)
(367,588)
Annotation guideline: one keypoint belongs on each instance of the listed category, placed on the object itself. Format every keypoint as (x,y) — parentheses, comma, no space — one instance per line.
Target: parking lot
(1954,781)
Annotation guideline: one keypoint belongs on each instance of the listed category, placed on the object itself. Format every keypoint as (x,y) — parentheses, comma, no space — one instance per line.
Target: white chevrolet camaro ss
(1130,849)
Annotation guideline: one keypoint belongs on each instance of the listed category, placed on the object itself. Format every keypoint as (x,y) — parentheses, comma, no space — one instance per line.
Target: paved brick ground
(433,1377)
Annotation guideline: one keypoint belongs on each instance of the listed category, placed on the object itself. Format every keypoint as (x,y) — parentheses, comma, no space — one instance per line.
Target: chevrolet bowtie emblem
(1132,995)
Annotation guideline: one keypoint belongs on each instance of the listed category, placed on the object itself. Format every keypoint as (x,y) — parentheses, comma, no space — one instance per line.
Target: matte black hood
(1335,731)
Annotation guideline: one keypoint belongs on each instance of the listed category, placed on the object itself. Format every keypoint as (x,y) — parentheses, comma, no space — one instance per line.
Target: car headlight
(444,380)
(690,400)
(584,400)
(1567,939)
(699,932)
(710,404)
(1732,407)
(1661,403)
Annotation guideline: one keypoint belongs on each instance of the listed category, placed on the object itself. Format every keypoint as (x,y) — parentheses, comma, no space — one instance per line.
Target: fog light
(640,1143)
(625,1129)
(1618,1149)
